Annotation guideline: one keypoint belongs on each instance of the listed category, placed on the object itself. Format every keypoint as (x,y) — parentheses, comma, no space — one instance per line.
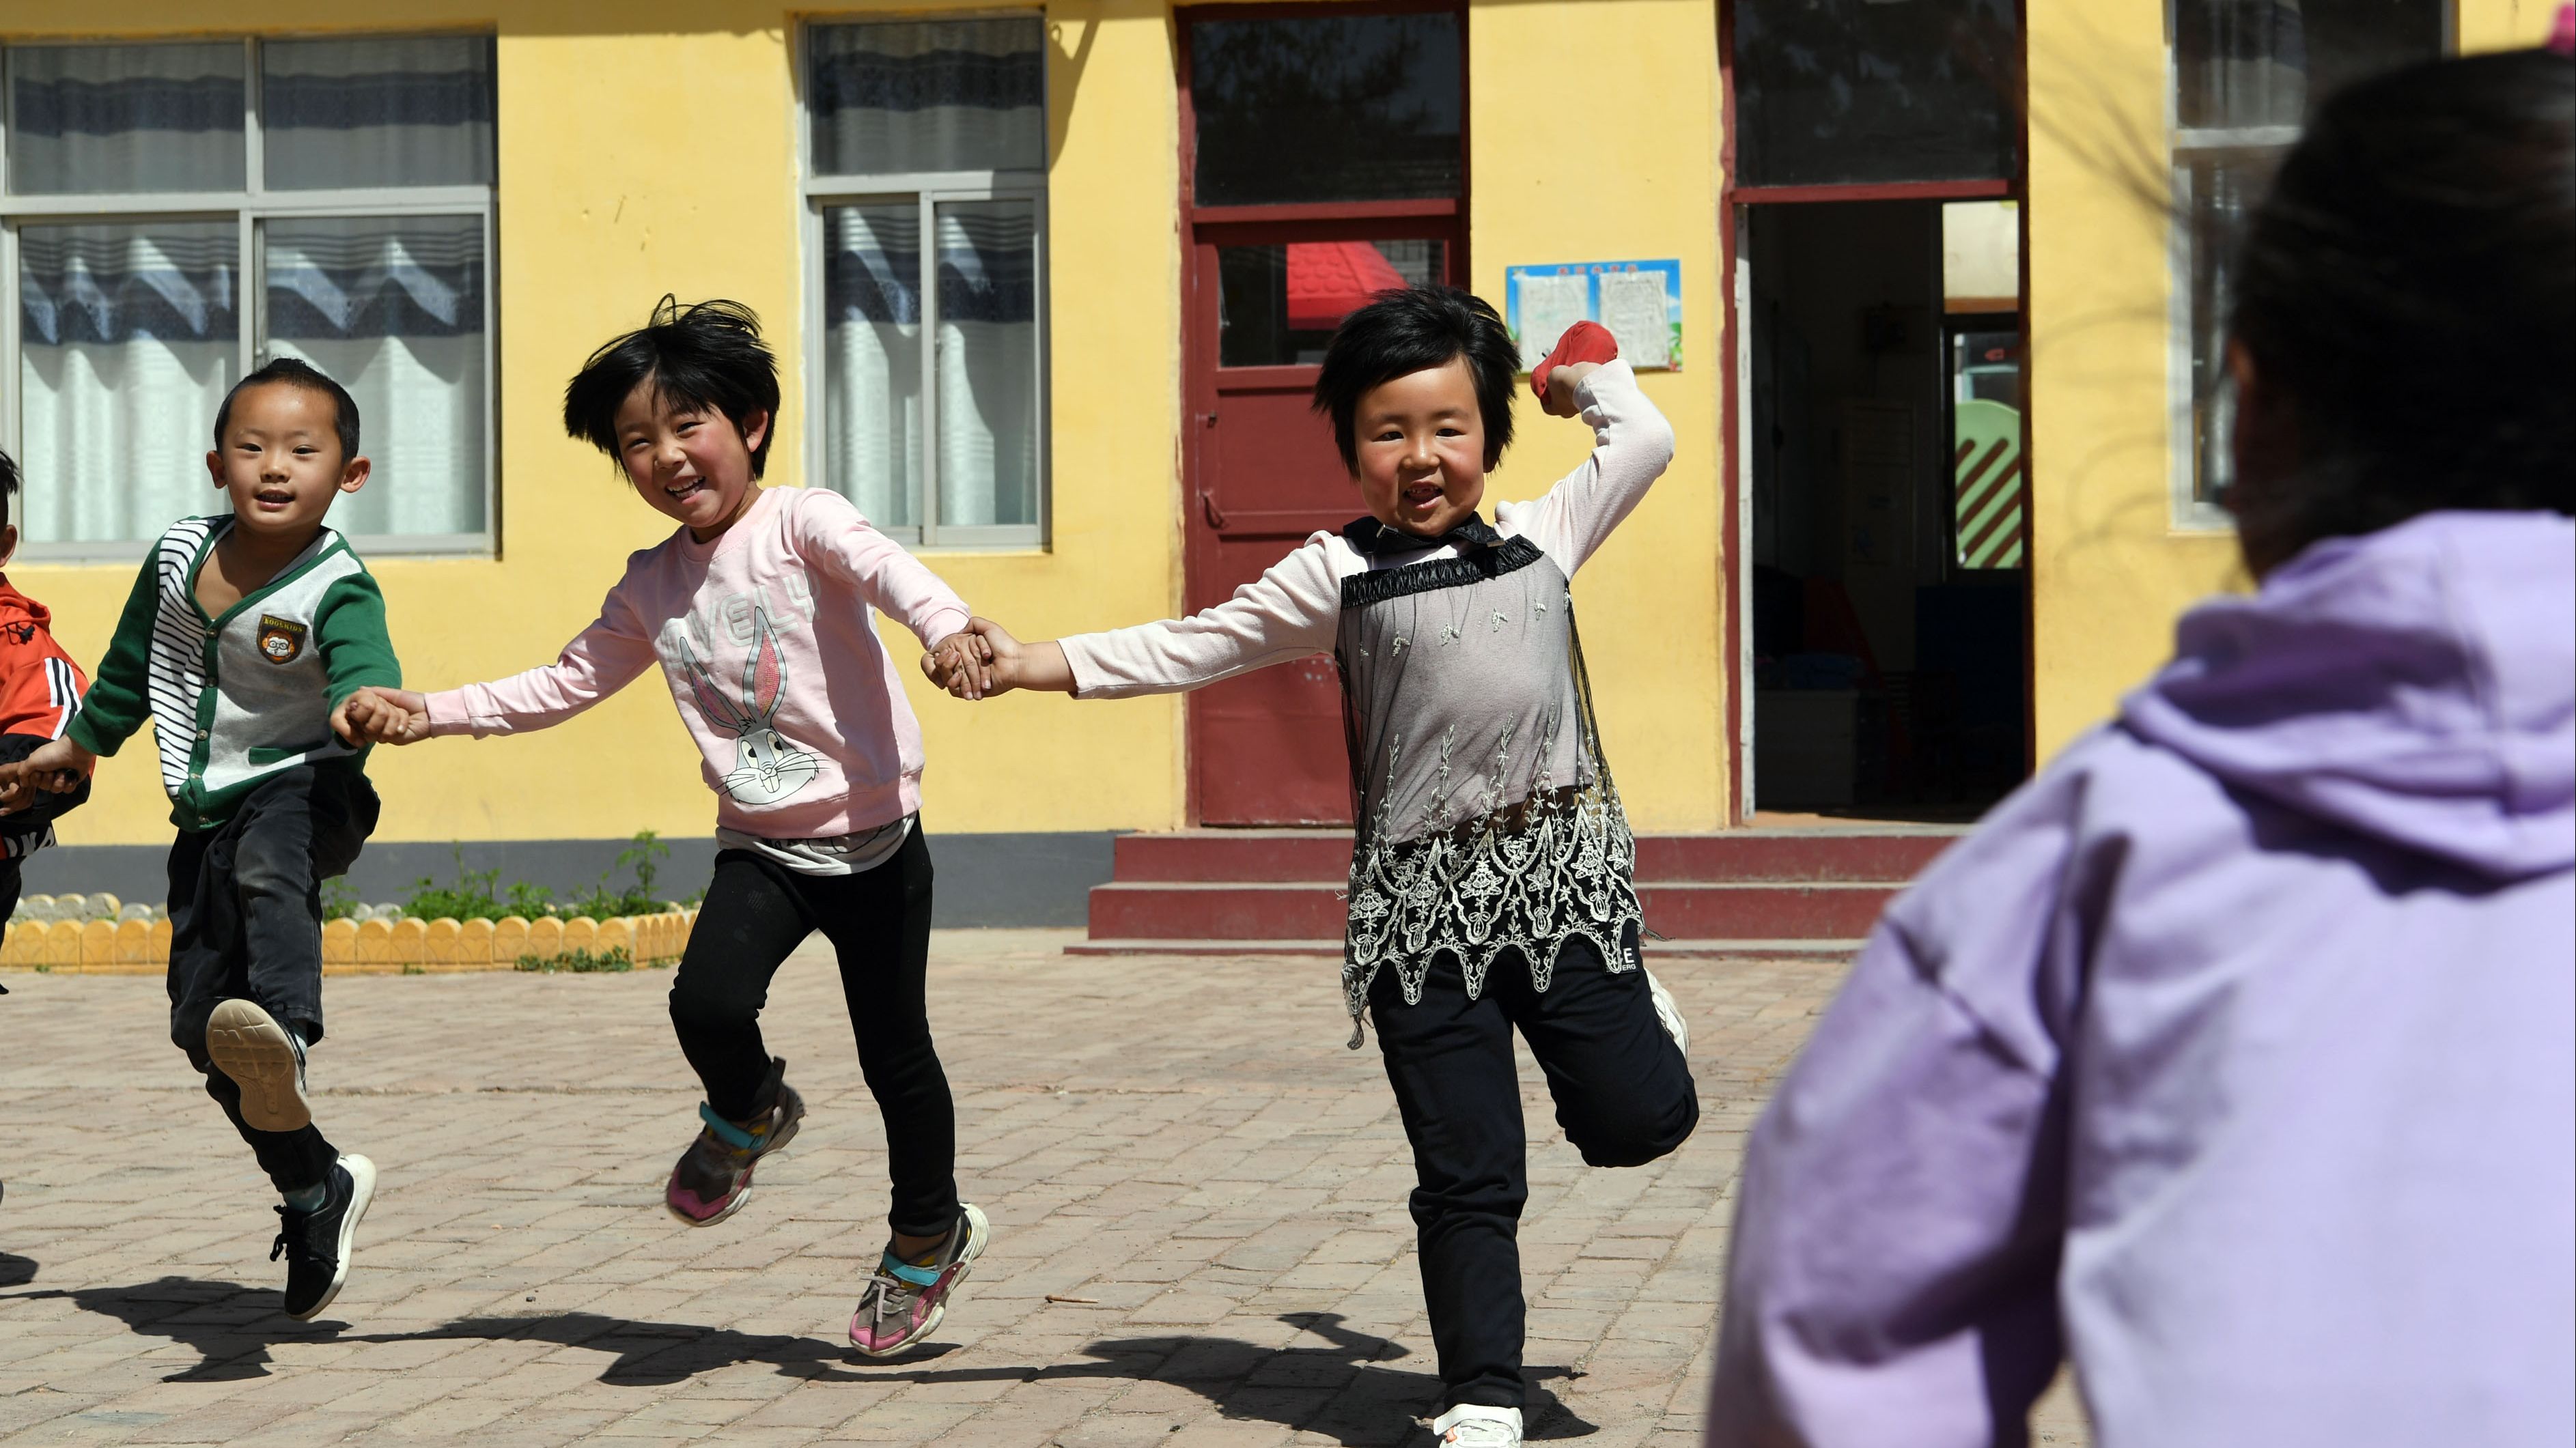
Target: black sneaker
(316,1244)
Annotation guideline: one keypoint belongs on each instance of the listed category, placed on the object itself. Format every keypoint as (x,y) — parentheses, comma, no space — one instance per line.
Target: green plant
(529,902)
(470,898)
(339,901)
(599,902)
(415,970)
(479,894)
(613,960)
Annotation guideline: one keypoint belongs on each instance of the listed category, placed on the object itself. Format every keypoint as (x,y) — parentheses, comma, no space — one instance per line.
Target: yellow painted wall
(1551,182)
(2503,24)
(2110,571)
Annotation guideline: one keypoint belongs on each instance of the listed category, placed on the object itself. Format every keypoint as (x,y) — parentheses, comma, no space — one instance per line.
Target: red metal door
(1323,158)
(1266,748)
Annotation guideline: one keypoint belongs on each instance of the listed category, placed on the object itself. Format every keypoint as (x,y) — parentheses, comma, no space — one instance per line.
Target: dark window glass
(1863,92)
(2247,75)
(1327,108)
(895,96)
(2271,62)
(1280,304)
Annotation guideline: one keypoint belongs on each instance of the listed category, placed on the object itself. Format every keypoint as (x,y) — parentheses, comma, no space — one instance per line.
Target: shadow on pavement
(228,1325)
(1342,1388)
(16,1271)
(657,1354)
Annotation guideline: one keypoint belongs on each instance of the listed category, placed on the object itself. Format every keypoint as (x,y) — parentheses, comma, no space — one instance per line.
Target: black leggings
(1623,1095)
(756,913)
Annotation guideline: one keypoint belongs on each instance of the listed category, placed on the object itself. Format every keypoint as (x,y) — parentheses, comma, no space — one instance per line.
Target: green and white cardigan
(236,699)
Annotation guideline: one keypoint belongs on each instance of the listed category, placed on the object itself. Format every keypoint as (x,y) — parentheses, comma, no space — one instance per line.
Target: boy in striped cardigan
(244,635)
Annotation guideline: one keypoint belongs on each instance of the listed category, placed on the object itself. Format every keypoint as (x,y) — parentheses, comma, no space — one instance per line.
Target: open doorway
(1886,519)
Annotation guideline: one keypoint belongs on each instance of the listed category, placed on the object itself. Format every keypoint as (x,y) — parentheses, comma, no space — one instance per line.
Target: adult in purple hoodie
(2234,1057)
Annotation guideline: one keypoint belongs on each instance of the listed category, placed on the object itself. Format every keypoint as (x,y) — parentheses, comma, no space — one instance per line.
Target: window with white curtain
(174,215)
(2247,74)
(926,195)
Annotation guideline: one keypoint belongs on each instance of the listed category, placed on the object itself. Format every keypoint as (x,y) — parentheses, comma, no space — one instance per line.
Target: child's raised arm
(1632,445)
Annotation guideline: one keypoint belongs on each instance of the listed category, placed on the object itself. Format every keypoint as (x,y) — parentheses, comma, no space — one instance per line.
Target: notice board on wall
(1639,301)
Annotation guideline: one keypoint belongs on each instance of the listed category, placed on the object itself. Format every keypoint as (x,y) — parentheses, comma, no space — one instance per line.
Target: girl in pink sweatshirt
(757,609)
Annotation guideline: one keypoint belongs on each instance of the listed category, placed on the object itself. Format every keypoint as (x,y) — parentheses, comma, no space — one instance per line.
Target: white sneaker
(1668,1011)
(1472,1425)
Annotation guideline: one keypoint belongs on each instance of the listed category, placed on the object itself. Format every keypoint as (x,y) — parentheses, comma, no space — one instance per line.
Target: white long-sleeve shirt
(1293,610)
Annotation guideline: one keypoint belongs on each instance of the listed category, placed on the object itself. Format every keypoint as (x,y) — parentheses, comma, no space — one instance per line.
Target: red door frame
(1731,532)
(1203,228)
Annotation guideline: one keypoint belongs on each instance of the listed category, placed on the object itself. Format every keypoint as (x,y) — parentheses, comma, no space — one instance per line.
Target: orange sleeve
(40,686)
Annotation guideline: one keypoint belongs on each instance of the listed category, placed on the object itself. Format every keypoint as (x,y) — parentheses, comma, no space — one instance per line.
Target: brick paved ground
(1181,1146)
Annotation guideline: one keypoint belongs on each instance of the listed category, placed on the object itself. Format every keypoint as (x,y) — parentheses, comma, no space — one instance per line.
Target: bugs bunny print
(766,767)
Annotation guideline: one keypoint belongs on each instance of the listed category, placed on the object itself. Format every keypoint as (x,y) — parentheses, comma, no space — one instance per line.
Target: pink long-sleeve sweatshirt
(766,638)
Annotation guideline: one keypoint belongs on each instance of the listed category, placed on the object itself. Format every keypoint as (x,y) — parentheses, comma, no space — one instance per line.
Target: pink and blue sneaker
(904,1301)
(713,1178)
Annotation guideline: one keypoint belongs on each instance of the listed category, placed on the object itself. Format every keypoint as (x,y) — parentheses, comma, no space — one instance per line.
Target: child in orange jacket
(40,688)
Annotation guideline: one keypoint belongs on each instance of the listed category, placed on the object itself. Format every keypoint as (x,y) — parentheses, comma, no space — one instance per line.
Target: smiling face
(690,463)
(280,461)
(1420,440)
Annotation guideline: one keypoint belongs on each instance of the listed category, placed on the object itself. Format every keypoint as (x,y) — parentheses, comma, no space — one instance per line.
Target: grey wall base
(984,880)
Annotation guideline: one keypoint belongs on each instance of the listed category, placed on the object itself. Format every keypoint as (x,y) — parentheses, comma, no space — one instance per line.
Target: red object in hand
(1582,342)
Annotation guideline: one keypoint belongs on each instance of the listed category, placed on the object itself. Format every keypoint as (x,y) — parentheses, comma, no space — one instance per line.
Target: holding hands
(1000,663)
(55,767)
(382,716)
(961,663)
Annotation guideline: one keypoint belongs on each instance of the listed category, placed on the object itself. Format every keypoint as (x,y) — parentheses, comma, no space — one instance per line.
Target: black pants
(756,912)
(246,921)
(1623,1094)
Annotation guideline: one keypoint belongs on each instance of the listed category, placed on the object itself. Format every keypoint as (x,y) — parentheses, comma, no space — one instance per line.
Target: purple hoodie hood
(2415,685)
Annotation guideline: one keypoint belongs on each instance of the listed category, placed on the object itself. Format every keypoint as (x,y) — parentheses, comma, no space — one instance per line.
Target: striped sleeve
(62,694)
(119,697)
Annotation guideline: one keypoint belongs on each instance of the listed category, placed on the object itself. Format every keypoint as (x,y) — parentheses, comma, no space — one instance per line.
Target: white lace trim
(1529,875)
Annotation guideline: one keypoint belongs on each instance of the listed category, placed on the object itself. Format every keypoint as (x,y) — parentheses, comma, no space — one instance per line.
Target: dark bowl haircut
(706,356)
(2408,293)
(296,372)
(1413,329)
(8,487)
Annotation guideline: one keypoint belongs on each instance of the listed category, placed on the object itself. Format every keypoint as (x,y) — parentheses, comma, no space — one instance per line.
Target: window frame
(927,191)
(2186,146)
(249,208)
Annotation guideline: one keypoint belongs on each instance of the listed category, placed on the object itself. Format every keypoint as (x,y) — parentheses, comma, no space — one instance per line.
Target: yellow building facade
(654,148)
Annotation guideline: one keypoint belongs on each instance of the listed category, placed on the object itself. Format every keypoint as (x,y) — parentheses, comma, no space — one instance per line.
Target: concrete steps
(1240,892)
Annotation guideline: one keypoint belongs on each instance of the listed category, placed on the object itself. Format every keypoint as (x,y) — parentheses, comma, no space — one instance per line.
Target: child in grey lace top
(1487,825)
(1486,818)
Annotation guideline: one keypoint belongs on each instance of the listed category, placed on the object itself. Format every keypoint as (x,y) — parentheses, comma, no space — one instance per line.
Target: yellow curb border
(349,947)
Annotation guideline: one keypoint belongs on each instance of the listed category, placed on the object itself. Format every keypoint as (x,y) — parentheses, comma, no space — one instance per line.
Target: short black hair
(8,487)
(1410,329)
(296,372)
(2409,288)
(704,355)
